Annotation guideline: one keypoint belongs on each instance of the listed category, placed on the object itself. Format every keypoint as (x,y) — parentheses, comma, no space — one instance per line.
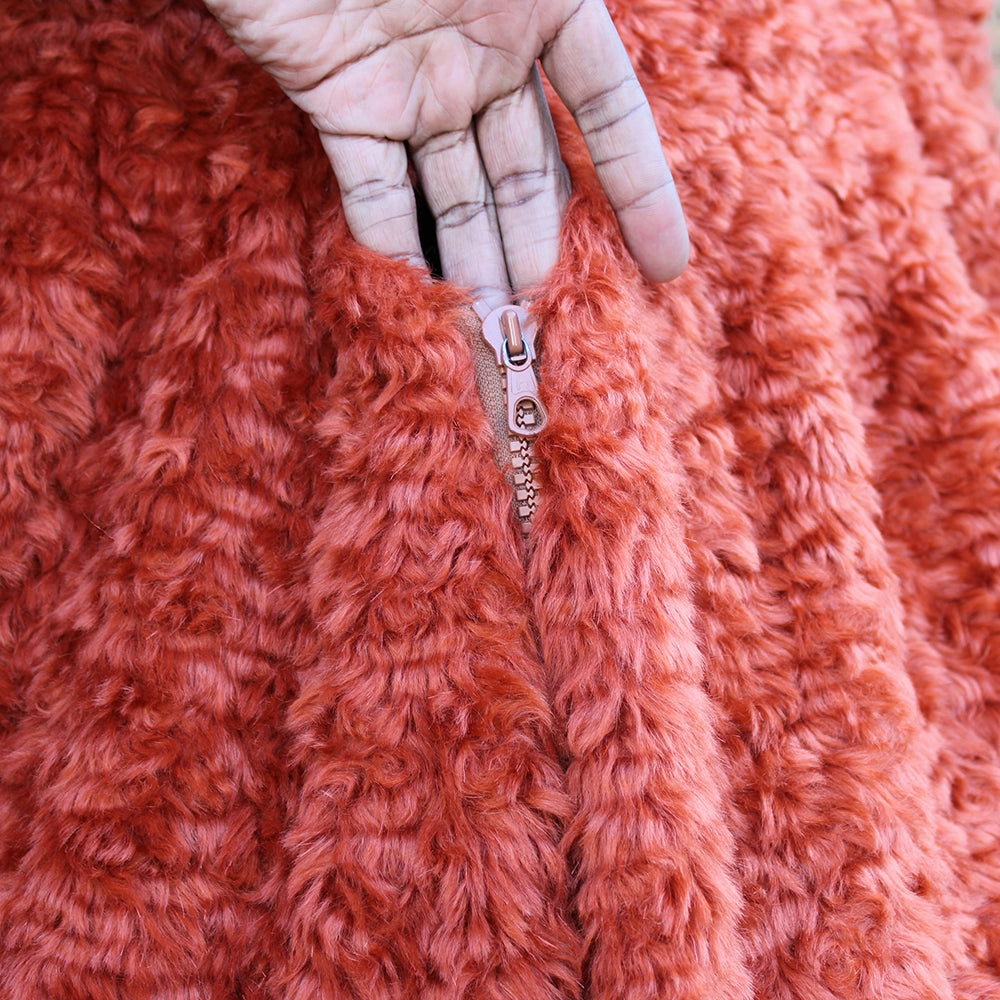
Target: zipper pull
(510,331)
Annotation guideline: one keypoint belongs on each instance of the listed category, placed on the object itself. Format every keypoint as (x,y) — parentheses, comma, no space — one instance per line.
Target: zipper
(505,358)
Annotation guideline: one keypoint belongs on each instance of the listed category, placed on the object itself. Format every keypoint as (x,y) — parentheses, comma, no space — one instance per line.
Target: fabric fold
(424,843)
(283,711)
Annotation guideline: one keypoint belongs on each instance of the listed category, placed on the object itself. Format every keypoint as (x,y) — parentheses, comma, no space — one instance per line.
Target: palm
(394,69)
(455,83)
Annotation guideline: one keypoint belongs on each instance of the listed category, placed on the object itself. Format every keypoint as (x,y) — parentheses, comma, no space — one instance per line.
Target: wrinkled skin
(455,86)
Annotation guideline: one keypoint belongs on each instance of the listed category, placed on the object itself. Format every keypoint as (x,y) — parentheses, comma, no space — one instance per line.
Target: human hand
(457,84)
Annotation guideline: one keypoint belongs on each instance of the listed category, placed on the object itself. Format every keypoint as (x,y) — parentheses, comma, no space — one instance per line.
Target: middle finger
(530,183)
(459,196)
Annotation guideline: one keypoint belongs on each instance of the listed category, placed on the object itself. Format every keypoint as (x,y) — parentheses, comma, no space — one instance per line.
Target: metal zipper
(508,387)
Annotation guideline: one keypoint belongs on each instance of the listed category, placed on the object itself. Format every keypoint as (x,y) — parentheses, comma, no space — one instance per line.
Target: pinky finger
(375,189)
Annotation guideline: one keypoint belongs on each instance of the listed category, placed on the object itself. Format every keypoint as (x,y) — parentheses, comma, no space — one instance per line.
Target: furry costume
(283,714)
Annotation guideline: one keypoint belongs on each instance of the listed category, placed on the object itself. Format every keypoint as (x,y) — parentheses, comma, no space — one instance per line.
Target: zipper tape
(505,360)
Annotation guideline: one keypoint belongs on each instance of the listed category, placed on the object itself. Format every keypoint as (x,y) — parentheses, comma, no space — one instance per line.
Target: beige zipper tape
(504,352)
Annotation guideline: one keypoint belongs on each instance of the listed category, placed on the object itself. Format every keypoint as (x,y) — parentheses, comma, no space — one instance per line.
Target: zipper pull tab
(510,331)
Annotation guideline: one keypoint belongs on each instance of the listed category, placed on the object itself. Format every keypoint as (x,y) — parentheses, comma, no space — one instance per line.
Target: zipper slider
(510,331)
(504,349)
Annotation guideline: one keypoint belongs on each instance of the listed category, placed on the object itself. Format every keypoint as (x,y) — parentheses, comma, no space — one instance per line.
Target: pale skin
(454,87)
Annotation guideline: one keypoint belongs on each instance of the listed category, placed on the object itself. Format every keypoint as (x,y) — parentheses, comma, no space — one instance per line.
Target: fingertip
(670,263)
(657,237)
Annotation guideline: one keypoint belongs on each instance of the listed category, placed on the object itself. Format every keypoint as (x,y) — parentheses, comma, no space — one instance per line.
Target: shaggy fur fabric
(285,711)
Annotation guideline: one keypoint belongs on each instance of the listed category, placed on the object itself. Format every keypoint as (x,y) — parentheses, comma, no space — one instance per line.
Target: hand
(456,83)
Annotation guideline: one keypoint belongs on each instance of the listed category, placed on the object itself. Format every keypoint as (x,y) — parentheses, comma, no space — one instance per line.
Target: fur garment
(285,711)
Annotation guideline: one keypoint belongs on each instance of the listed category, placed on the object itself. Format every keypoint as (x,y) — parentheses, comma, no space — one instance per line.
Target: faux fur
(285,709)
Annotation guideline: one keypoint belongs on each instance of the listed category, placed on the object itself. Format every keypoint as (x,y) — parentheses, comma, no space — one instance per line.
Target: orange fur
(285,711)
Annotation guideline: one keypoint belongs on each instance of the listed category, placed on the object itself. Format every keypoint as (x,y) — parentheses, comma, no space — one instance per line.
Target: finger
(458,194)
(591,72)
(378,199)
(520,151)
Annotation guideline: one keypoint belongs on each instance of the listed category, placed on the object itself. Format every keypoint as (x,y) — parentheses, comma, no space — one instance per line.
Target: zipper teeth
(524,471)
(514,453)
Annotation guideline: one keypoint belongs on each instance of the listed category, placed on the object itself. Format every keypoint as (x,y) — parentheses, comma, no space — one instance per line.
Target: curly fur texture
(286,712)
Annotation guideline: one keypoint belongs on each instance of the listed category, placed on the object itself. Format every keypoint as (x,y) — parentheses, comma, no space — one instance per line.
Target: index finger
(591,71)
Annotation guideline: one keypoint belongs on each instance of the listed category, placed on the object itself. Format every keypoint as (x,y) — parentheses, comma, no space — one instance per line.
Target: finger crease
(375,225)
(601,97)
(604,126)
(646,196)
(460,214)
(519,188)
(616,158)
(371,191)
(442,143)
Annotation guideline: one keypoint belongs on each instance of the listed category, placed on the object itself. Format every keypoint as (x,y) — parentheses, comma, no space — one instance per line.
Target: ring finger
(459,196)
